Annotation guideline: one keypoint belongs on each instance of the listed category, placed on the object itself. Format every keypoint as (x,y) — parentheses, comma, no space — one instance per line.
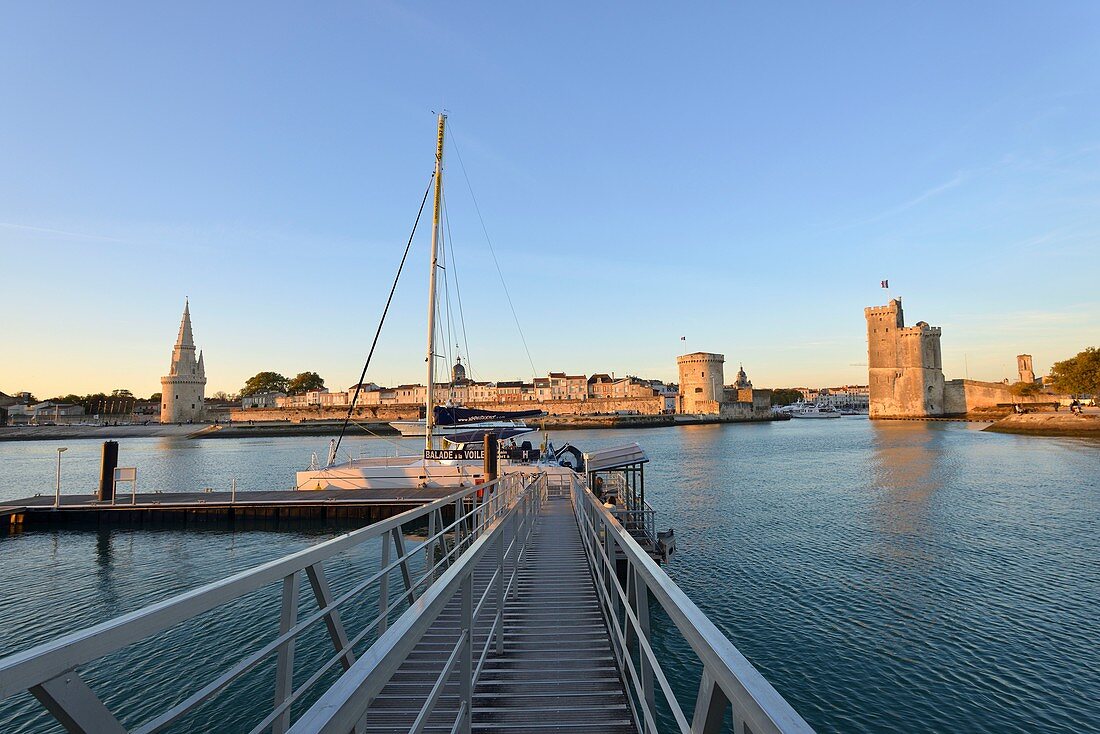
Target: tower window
(698,389)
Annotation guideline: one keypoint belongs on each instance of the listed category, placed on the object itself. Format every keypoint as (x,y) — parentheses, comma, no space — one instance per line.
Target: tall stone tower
(701,382)
(1027,370)
(183,388)
(905,369)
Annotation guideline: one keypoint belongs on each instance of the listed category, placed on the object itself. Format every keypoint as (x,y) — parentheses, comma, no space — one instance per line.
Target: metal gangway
(519,605)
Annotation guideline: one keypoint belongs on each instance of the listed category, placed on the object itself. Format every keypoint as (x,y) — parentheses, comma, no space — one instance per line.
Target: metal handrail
(344,705)
(49,672)
(727,680)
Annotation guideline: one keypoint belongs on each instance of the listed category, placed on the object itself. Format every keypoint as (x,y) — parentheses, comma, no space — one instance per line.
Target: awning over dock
(620,457)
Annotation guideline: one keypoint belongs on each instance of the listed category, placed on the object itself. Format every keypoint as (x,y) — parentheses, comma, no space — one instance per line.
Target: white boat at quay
(815,411)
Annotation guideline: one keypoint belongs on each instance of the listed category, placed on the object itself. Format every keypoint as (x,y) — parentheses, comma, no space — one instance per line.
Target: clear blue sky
(741,174)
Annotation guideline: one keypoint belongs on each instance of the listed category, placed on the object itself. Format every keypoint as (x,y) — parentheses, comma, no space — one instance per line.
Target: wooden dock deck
(557,673)
(339,506)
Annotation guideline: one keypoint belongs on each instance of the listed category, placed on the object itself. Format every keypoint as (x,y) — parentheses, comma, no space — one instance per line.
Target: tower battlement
(702,382)
(905,371)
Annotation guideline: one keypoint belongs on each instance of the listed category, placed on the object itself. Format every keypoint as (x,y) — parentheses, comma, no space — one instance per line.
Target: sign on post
(125,474)
(477,453)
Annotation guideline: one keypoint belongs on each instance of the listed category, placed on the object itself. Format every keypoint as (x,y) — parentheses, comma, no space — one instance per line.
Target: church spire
(185,338)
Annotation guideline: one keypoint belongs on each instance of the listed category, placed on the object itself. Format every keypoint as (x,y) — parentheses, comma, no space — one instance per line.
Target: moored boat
(815,411)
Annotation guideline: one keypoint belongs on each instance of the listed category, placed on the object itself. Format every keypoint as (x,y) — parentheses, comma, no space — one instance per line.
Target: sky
(654,179)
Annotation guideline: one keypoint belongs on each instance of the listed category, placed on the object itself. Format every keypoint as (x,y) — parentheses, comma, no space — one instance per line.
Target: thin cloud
(955,181)
(64,233)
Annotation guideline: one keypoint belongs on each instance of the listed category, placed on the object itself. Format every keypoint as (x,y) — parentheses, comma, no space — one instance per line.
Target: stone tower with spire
(183,388)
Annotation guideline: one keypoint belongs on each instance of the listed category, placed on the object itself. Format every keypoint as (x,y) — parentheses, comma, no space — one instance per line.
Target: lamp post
(57,491)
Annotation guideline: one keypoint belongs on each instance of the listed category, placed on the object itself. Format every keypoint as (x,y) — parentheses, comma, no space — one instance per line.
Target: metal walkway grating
(557,673)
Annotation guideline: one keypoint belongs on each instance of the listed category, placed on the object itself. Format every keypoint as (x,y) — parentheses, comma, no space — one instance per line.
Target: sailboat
(457,463)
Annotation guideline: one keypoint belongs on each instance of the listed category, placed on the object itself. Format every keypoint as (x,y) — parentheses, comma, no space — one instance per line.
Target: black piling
(107,471)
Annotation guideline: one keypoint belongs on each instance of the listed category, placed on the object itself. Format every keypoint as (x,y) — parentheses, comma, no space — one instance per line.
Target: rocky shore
(1085,425)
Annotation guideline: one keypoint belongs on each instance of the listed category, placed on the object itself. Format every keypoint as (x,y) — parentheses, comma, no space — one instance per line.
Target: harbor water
(883,576)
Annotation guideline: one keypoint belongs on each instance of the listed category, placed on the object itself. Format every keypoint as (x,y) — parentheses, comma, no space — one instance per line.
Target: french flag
(885,283)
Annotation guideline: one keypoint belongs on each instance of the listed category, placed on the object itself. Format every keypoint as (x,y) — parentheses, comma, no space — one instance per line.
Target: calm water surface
(883,576)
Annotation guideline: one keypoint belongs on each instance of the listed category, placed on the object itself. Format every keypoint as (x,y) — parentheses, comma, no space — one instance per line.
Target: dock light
(57,489)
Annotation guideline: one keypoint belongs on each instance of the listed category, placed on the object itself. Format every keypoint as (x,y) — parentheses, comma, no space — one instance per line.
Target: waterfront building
(543,390)
(568,387)
(44,414)
(262,400)
(183,388)
(600,385)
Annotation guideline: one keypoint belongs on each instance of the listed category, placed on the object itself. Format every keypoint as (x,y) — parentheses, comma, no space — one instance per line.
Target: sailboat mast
(429,415)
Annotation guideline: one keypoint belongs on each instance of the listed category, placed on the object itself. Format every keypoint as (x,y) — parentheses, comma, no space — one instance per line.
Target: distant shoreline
(332,428)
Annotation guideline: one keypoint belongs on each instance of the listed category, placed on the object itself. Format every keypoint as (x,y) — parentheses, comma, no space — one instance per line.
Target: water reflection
(906,473)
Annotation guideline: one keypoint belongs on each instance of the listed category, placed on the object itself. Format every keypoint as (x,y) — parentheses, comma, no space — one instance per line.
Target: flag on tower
(885,283)
(683,338)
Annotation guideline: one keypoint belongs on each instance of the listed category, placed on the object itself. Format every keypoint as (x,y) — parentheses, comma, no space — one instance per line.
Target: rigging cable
(458,293)
(446,326)
(378,331)
(454,143)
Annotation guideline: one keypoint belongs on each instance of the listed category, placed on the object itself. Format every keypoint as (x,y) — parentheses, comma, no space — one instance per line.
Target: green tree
(304,382)
(1078,375)
(264,382)
(1026,389)
(785,396)
(121,394)
(155,397)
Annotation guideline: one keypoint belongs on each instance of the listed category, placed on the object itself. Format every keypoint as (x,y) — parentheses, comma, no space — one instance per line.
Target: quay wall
(968,396)
(593,406)
(1086,425)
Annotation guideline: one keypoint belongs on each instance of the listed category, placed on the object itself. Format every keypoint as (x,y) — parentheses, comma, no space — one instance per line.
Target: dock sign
(511,453)
(477,454)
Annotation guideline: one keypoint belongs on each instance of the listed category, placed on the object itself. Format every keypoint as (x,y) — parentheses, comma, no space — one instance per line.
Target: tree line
(301,383)
(1078,375)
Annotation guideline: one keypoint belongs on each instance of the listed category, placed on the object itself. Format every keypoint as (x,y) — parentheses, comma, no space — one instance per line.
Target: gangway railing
(627,580)
(345,705)
(490,520)
(633,512)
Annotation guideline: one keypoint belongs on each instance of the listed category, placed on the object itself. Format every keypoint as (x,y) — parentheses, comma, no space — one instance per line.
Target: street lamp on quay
(57,491)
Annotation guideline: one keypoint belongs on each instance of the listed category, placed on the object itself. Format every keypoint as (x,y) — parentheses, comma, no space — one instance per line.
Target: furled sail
(452,416)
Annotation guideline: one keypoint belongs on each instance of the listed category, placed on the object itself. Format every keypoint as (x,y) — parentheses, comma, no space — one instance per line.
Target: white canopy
(614,458)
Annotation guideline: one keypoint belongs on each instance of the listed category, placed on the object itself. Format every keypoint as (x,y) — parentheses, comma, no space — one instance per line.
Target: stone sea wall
(640,406)
(969,396)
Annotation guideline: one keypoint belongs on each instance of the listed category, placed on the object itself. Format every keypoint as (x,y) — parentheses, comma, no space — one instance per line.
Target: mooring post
(107,467)
(490,461)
